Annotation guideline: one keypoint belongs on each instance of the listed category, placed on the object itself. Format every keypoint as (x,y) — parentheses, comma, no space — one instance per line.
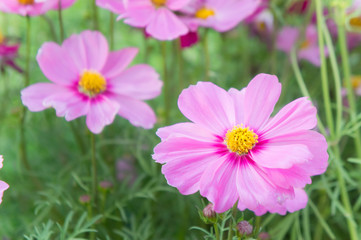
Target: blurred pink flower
(189,40)
(88,80)
(26,7)
(8,54)
(64,3)
(233,151)
(115,6)
(221,15)
(157,17)
(307,50)
(3,185)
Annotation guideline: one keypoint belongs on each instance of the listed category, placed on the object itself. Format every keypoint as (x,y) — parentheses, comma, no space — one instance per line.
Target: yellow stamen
(204,13)
(355,22)
(159,3)
(92,83)
(240,139)
(305,44)
(356,81)
(26,2)
(261,26)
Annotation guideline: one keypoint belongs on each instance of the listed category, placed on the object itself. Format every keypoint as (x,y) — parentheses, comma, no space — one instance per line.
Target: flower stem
(95,15)
(23,150)
(94,177)
(180,65)
(206,56)
(231,220)
(347,77)
(166,83)
(324,77)
(61,25)
(216,230)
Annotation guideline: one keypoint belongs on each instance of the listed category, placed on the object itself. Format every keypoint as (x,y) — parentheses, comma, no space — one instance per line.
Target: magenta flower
(88,80)
(307,50)
(221,15)
(233,151)
(3,185)
(189,40)
(26,7)
(115,6)
(157,17)
(8,54)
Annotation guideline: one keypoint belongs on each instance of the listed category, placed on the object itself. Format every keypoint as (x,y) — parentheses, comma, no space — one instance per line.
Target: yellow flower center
(355,22)
(92,83)
(305,44)
(204,13)
(261,26)
(159,3)
(356,81)
(26,2)
(240,139)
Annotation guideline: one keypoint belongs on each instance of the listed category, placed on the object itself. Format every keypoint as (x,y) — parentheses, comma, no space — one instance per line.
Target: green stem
(166,83)
(352,227)
(206,56)
(77,137)
(94,176)
(61,25)
(302,86)
(111,30)
(216,230)
(95,15)
(347,77)
(324,77)
(180,65)
(231,220)
(23,151)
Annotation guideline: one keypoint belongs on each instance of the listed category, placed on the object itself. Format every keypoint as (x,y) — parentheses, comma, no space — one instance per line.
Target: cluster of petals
(308,50)
(8,54)
(170,19)
(268,178)
(3,185)
(88,80)
(33,7)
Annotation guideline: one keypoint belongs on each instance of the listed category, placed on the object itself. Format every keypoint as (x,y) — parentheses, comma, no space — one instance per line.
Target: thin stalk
(61,25)
(180,65)
(352,227)
(77,137)
(94,177)
(23,150)
(230,228)
(324,77)
(347,77)
(166,83)
(95,15)
(206,56)
(111,30)
(302,86)
(216,230)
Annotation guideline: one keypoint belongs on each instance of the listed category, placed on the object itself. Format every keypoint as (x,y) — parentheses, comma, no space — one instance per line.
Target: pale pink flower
(115,6)
(26,7)
(3,185)
(88,80)
(233,151)
(307,49)
(221,15)
(157,17)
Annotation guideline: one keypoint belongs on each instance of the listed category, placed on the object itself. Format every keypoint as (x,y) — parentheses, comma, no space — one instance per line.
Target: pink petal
(89,50)
(190,130)
(185,173)
(166,25)
(139,14)
(139,82)
(57,64)
(311,54)
(3,187)
(33,96)
(118,61)
(77,109)
(1,161)
(177,4)
(261,96)
(287,39)
(101,113)
(218,183)
(299,114)
(208,105)
(298,202)
(239,100)
(275,155)
(137,112)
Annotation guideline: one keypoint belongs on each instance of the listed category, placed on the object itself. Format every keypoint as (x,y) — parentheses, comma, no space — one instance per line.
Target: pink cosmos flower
(157,17)
(308,49)
(233,151)
(88,80)
(221,15)
(3,185)
(26,7)
(115,6)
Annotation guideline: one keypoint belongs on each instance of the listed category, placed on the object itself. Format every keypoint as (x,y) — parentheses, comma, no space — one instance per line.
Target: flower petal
(187,129)
(3,187)
(262,94)
(56,64)
(208,105)
(298,202)
(117,61)
(239,100)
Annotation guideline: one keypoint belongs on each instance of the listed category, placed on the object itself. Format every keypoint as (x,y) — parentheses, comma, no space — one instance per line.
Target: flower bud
(264,236)
(209,212)
(244,228)
(84,199)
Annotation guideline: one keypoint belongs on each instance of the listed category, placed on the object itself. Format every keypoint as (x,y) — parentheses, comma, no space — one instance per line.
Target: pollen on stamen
(204,13)
(240,139)
(26,2)
(92,83)
(355,22)
(159,3)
